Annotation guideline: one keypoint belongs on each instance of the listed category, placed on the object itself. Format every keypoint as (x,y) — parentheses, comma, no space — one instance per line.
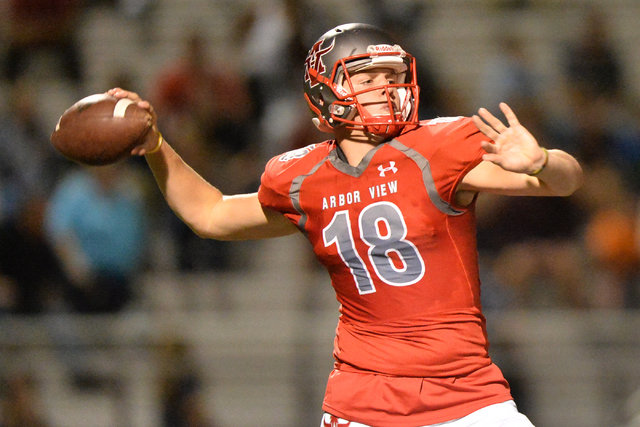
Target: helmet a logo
(314,60)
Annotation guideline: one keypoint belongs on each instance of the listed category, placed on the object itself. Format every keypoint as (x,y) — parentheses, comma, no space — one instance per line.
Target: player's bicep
(242,217)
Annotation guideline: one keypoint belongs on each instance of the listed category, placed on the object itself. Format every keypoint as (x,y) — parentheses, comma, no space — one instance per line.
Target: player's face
(375,99)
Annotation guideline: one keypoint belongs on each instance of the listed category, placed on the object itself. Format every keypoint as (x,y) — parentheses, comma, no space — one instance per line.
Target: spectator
(20,403)
(536,274)
(508,76)
(28,165)
(265,35)
(592,67)
(210,95)
(30,272)
(181,388)
(610,239)
(31,277)
(43,25)
(96,224)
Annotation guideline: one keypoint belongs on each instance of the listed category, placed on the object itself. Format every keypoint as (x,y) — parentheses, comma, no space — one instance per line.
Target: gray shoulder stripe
(427,178)
(294,193)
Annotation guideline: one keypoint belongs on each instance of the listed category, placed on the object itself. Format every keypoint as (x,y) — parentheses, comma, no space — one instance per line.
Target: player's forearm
(204,208)
(562,175)
(189,195)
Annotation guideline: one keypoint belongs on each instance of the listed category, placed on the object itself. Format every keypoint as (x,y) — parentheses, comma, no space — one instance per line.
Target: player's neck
(356,146)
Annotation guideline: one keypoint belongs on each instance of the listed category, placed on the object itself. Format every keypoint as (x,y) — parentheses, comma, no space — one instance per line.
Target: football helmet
(347,49)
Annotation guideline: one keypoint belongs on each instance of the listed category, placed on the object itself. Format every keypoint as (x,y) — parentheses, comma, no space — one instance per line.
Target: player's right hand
(152,138)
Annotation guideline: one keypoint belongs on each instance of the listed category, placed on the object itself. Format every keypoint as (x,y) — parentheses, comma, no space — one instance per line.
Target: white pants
(503,414)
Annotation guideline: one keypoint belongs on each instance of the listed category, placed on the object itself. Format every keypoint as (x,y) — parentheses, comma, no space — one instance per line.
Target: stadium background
(252,330)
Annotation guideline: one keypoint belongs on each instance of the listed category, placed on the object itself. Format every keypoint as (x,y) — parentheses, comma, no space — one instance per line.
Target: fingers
(151,141)
(509,114)
(495,122)
(485,128)
(489,147)
(492,120)
(493,158)
(491,153)
(121,93)
(144,104)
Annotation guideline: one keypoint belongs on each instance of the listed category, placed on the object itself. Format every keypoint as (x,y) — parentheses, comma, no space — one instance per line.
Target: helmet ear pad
(328,108)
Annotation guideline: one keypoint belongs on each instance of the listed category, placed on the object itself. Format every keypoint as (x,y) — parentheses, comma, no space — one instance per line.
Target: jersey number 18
(382,228)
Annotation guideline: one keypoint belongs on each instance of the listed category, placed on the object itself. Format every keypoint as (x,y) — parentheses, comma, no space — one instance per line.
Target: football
(100,129)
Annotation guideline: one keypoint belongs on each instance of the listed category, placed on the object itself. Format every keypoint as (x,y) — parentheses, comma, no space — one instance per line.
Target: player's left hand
(514,148)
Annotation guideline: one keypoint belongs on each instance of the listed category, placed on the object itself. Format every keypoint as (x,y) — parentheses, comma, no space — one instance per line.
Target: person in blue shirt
(95,221)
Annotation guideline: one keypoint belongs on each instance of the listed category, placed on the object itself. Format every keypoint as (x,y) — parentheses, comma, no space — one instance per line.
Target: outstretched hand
(513,148)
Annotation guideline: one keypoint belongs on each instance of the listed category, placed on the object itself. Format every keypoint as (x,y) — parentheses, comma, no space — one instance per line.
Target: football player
(388,206)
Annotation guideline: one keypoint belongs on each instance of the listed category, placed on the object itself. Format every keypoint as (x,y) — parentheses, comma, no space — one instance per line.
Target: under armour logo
(392,168)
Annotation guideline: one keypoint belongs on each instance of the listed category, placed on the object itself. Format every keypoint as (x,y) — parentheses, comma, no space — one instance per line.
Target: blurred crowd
(76,239)
(226,118)
(62,248)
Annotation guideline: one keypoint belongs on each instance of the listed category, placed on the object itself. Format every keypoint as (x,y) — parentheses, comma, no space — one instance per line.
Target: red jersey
(403,262)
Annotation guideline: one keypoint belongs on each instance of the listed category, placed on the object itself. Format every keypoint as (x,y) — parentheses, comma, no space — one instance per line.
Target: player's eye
(394,78)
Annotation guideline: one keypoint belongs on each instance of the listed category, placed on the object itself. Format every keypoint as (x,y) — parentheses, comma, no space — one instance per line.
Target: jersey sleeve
(274,189)
(279,174)
(457,152)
